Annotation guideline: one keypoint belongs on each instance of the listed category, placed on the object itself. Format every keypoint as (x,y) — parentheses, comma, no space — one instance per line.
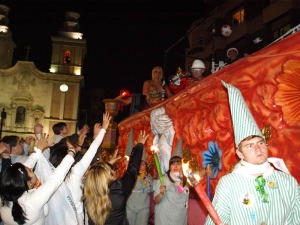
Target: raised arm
(130,176)
(99,132)
(146,90)
(43,144)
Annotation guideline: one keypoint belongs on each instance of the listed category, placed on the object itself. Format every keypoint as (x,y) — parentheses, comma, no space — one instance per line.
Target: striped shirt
(237,201)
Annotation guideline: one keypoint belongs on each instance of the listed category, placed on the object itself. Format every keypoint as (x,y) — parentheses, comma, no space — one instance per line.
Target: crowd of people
(50,186)
(59,183)
(157,89)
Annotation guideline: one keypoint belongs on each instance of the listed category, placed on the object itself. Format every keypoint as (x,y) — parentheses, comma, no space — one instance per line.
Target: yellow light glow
(154,148)
(3,29)
(77,71)
(185,168)
(197,177)
(64,88)
(53,69)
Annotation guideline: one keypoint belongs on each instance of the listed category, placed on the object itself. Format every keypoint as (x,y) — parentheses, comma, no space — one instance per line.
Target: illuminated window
(238,17)
(67,57)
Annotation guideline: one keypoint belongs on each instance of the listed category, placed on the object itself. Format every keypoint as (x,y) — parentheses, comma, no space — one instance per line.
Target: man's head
(60,128)
(249,140)
(198,69)
(253,149)
(15,146)
(232,54)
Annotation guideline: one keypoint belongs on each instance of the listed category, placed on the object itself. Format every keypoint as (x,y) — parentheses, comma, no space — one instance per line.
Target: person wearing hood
(259,190)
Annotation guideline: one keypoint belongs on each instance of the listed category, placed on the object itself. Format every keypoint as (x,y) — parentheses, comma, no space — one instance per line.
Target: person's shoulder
(285,176)
(115,185)
(229,177)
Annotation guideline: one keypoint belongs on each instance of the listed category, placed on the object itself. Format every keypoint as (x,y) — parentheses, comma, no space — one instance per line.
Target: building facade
(253,25)
(29,96)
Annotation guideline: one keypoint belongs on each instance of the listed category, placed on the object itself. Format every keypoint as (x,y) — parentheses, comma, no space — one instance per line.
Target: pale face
(64,131)
(33,177)
(197,73)
(143,166)
(18,149)
(232,54)
(254,151)
(176,167)
(157,74)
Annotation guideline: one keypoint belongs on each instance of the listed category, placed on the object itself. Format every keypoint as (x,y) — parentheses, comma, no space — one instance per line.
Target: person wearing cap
(171,197)
(197,70)
(138,203)
(254,192)
(232,55)
(180,81)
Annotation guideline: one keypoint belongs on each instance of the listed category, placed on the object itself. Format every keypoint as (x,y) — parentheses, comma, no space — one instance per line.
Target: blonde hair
(159,68)
(96,192)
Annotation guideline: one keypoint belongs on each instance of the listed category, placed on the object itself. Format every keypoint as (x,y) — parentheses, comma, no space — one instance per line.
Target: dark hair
(13,185)
(60,150)
(57,153)
(58,127)
(147,167)
(173,160)
(11,140)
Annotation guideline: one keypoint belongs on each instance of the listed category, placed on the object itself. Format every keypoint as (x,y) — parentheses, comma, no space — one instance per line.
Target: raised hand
(85,129)
(38,130)
(142,137)
(97,128)
(29,139)
(43,143)
(115,157)
(106,120)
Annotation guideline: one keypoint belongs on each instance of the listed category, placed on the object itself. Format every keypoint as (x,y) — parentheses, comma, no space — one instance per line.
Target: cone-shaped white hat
(178,149)
(144,156)
(129,145)
(244,124)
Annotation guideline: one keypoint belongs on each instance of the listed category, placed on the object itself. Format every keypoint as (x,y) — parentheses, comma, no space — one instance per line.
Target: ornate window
(20,115)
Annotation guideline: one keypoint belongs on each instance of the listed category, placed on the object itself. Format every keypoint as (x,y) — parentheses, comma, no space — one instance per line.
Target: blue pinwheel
(212,157)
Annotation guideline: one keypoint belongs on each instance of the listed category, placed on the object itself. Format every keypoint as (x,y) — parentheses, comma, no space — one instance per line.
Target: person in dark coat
(105,195)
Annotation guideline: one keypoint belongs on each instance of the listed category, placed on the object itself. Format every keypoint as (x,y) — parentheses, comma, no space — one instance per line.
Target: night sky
(125,39)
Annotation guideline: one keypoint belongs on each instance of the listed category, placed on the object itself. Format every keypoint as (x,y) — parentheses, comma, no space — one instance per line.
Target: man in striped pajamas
(254,192)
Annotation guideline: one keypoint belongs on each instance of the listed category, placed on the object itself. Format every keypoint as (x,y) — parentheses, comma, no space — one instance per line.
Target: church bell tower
(7,44)
(68,49)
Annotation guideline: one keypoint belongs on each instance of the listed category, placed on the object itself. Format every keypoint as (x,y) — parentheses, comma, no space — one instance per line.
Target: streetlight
(3,117)
(63,88)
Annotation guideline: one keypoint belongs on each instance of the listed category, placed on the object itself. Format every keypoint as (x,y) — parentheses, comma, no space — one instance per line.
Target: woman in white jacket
(22,200)
(74,179)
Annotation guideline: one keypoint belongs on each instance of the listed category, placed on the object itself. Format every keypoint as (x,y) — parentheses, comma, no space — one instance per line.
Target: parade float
(269,81)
